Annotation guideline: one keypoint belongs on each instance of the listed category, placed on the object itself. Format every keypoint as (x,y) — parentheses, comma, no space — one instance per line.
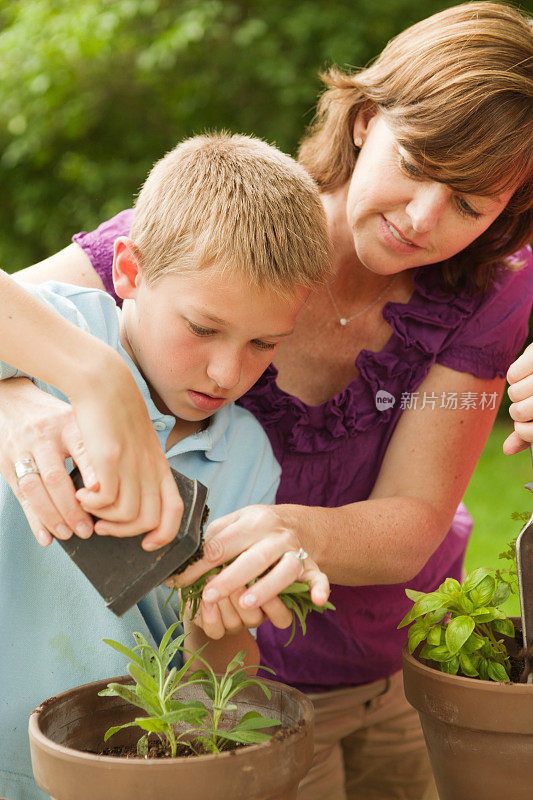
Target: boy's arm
(219,652)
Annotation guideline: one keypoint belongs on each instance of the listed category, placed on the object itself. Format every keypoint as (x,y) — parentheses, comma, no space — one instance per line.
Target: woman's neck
(351,281)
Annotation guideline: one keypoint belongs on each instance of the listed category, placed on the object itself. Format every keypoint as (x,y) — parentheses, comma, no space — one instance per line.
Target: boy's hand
(228,616)
(520,378)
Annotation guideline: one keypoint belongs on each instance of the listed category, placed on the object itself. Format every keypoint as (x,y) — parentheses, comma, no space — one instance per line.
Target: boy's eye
(263,345)
(199,331)
(467,209)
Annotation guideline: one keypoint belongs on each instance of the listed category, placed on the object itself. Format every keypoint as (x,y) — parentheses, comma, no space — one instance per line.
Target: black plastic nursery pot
(65,728)
(479,734)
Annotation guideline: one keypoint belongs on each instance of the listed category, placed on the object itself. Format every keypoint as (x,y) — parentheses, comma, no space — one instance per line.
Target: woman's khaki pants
(368,746)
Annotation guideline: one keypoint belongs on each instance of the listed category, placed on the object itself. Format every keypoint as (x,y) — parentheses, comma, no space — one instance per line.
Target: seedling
(460,625)
(155,692)
(297,598)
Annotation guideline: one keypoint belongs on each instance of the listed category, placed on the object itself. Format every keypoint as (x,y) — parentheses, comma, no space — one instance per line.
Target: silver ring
(26,466)
(301,555)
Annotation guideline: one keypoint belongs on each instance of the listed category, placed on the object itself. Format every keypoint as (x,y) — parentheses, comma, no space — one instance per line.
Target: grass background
(495,491)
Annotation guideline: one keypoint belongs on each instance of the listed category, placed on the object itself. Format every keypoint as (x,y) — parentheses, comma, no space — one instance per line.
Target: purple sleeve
(98,245)
(490,338)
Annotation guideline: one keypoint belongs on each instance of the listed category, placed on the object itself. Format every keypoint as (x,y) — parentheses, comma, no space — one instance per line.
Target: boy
(228,237)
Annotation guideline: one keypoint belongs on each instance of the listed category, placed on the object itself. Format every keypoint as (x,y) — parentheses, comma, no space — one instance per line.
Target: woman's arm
(135,485)
(520,376)
(385,539)
(70,265)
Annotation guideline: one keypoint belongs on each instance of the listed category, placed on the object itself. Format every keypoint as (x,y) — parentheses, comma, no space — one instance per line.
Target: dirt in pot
(157,749)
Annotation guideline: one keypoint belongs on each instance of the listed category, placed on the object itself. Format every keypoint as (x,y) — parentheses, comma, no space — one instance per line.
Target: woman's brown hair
(457,90)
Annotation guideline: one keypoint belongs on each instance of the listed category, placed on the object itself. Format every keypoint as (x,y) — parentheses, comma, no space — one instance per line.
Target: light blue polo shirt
(52,621)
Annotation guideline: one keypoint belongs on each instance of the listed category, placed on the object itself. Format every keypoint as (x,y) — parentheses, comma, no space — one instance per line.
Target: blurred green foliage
(92,92)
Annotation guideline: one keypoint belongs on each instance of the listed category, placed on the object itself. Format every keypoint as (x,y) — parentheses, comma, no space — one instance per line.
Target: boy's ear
(364,119)
(126,268)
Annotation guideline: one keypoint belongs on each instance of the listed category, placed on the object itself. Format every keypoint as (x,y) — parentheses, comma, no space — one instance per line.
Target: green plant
(460,625)
(297,598)
(155,693)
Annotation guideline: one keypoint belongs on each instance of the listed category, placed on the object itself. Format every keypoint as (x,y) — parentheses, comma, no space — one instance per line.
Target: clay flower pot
(65,726)
(479,734)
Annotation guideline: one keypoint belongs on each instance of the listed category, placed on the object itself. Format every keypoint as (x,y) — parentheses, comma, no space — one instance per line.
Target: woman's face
(398,219)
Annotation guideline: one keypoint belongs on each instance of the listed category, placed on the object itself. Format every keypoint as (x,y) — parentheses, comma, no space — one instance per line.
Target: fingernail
(63,532)
(248,600)
(210,596)
(149,546)
(84,529)
(43,537)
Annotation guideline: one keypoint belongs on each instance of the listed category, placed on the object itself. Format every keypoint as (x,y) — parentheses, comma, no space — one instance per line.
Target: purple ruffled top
(331,454)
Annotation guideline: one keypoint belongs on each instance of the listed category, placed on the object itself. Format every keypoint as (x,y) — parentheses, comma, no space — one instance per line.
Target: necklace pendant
(343,321)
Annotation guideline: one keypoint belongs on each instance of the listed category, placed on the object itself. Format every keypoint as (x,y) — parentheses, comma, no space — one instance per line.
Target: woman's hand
(109,435)
(137,492)
(520,376)
(259,538)
(36,424)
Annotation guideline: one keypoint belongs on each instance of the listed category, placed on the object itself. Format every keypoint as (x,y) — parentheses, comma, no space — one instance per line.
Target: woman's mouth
(394,239)
(205,402)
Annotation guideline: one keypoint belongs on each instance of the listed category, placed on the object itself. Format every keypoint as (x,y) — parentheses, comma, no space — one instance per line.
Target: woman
(379,406)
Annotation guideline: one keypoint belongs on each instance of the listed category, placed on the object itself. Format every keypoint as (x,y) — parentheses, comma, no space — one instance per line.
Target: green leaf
(143,678)
(450,586)
(236,661)
(246,737)
(193,715)
(501,594)
(474,578)
(487,614)
(483,668)
(166,638)
(440,653)
(465,604)
(151,724)
(111,731)
(450,667)
(472,644)
(142,746)
(414,637)
(434,636)
(482,594)
(504,626)
(126,693)
(414,596)
(458,631)
(467,665)
(141,641)
(497,672)
(120,648)
(253,721)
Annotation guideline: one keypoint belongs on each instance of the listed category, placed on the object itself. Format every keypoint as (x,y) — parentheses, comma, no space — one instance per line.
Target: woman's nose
(427,205)
(225,369)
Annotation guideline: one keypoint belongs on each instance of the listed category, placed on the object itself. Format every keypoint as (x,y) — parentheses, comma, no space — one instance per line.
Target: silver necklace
(345,320)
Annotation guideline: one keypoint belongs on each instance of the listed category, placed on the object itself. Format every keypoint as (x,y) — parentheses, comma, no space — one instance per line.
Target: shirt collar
(212,440)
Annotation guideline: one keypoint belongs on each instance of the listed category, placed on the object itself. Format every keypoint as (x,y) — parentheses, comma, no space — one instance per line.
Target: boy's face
(201,339)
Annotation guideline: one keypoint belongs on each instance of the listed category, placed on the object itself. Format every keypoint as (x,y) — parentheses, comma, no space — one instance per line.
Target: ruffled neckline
(419,328)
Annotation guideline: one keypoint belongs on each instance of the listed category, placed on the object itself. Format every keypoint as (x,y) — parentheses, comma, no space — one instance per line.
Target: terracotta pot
(74,721)
(479,734)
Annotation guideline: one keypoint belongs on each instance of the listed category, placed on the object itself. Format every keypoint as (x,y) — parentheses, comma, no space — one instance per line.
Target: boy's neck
(182,427)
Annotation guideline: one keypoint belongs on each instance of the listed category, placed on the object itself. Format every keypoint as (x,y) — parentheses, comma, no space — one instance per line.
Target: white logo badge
(384,400)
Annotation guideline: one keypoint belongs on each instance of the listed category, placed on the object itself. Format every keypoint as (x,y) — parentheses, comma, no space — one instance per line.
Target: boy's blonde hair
(236,202)
(457,90)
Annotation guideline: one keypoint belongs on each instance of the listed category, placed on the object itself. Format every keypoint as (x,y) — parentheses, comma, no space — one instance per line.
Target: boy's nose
(225,371)
(427,205)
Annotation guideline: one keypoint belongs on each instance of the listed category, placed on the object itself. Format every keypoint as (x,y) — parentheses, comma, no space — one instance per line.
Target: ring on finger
(25,466)
(300,555)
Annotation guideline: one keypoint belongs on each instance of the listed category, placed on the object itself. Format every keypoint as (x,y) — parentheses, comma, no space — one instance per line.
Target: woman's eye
(467,209)
(199,331)
(263,345)
(410,169)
